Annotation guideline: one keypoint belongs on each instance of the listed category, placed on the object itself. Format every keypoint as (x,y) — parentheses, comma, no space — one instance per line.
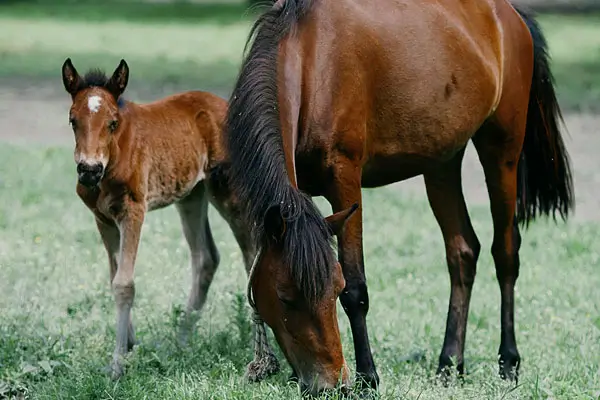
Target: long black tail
(544,172)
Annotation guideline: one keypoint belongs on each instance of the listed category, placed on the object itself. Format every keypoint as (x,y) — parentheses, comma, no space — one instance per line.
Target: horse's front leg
(346,191)
(130,226)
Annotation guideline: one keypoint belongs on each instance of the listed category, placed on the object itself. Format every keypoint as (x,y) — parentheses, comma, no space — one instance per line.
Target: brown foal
(337,95)
(135,158)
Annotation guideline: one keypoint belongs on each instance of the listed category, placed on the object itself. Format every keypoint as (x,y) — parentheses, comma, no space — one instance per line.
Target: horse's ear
(71,78)
(274,223)
(337,221)
(118,81)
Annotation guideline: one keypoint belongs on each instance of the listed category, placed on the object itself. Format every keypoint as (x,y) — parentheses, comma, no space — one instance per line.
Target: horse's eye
(112,125)
(287,302)
(73,123)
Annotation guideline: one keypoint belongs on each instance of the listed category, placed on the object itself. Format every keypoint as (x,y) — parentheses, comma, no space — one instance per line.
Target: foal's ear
(118,81)
(337,221)
(274,223)
(71,78)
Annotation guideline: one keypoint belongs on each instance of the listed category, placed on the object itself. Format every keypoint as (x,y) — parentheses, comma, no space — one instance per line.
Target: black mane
(258,167)
(94,77)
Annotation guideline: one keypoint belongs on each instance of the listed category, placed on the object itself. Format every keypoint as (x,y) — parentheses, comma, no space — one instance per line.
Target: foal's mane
(258,167)
(96,77)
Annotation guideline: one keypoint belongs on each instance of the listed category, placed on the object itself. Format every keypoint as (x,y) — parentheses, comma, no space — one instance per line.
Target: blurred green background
(184,44)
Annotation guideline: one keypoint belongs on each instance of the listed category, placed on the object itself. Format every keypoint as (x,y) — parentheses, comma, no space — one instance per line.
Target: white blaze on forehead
(94,103)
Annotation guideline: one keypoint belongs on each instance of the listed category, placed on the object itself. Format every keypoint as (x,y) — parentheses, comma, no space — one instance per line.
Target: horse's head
(94,117)
(305,326)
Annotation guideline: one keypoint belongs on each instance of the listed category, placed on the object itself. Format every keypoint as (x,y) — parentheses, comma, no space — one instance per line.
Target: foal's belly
(170,185)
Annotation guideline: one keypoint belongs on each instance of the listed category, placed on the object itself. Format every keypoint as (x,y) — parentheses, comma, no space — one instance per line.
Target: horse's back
(422,75)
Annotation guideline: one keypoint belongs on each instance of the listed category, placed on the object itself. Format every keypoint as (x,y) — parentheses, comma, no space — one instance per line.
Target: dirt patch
(38,115)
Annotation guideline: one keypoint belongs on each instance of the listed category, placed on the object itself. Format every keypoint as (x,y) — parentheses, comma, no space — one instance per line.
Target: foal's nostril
(92,169)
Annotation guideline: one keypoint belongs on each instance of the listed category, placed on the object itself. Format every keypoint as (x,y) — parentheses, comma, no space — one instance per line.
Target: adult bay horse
(135,158)
(337,95)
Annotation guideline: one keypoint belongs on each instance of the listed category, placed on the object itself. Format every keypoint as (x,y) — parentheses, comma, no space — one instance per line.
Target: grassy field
(56,309)
(57,328)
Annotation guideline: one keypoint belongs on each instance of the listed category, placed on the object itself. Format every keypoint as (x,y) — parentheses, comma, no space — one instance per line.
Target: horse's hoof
(262,368)
(509,370)
(363,394)
(367,382)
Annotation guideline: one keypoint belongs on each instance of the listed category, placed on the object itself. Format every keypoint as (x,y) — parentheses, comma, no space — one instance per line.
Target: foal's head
(305,328)
(94,117)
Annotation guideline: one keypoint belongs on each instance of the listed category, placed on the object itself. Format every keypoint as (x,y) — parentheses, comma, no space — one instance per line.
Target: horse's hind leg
(499,146)
(193,212)
(444,191)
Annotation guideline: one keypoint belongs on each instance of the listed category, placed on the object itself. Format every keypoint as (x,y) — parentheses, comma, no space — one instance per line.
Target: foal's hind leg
(265,362)
(193,212)
(499,153)
(444,190)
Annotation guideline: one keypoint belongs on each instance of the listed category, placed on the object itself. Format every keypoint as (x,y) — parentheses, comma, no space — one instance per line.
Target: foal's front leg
(130,226)
(111,238)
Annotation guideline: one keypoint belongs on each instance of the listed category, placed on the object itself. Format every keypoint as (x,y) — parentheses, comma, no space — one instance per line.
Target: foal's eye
(73,123)
(112,125)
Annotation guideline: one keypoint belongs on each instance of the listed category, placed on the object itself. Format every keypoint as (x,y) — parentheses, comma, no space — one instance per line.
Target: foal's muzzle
(89,174)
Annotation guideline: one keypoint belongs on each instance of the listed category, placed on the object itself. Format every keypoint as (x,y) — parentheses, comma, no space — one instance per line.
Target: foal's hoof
(116,370)
(262,368)
(183,338)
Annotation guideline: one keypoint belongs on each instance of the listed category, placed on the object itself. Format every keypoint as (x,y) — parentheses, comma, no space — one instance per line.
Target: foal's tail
(545,184)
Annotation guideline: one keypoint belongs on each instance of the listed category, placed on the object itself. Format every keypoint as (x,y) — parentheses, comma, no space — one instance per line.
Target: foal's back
(175,140)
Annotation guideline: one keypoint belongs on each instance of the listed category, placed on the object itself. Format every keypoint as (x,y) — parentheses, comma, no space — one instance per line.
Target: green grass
(57,313)
(180,12)
(200,45)
(205,55)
